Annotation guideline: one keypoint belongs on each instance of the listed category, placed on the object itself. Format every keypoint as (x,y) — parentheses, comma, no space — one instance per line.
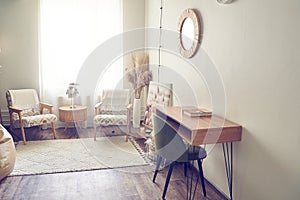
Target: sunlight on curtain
(69,31)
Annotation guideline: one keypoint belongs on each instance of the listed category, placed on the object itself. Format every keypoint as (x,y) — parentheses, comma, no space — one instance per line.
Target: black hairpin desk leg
(228,157)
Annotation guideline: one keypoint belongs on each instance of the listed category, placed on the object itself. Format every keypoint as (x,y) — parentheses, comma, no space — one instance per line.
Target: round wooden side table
(74,114)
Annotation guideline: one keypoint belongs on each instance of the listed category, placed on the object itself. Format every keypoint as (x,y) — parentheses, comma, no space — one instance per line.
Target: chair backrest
(168,143)
(23,98)
(115,100)
(159,95)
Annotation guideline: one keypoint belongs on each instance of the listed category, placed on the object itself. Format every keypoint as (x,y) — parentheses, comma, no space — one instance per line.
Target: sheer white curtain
(69,31)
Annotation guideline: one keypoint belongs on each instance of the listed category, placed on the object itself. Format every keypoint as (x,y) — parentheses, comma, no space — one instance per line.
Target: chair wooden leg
(159,159)
(128,132)
(10,125)
(53,130)
(128,124)
(23,133)
(201,177)
(21,127)
(168,179)
(95,132)
(10,128)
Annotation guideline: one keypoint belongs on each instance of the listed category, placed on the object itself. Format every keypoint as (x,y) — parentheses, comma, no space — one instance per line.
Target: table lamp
(72,92)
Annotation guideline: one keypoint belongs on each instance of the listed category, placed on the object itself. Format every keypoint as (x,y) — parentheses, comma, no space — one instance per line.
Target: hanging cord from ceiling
(160,38)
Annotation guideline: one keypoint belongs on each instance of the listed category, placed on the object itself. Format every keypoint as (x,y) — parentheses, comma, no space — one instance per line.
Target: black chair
(170,146)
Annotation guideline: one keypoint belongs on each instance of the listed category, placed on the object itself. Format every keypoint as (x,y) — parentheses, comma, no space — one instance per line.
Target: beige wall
(255,46)
(133,14)
(133,18)
(19,44)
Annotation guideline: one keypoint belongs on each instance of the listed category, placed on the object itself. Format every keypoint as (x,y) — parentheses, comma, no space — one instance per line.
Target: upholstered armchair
(26,110)
(113,109)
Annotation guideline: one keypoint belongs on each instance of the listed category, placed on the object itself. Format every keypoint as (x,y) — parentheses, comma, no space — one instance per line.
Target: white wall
(19,44)
(255,46)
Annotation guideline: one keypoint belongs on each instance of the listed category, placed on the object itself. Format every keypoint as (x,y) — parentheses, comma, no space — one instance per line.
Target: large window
(69,31)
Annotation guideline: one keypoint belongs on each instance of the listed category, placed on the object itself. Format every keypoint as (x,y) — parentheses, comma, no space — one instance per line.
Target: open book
(196,112)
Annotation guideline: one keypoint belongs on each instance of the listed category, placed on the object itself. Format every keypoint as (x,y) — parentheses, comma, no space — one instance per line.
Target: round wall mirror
(189,31)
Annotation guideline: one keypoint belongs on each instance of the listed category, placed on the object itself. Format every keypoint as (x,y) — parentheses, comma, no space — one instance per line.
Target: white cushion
(106,120)
(24,98)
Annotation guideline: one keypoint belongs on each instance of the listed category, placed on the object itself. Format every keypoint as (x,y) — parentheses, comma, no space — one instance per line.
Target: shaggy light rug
(69,155)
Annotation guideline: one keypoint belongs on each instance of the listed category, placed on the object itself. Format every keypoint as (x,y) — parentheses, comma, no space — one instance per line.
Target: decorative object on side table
(72,92)
(139,76)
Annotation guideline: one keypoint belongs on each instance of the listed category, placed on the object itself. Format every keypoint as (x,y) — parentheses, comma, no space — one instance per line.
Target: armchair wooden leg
(23,133)
(11,127)
(53,130)
(128,131)
(95,132)
(128,123)
(21,127)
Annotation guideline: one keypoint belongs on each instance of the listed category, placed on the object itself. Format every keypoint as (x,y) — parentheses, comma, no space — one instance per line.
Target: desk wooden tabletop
(201,130)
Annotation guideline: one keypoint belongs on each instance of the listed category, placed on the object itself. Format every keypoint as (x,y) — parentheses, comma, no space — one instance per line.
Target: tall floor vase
(136,113)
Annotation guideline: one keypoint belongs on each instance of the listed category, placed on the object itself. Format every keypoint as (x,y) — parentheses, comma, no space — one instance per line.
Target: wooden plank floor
(124,183)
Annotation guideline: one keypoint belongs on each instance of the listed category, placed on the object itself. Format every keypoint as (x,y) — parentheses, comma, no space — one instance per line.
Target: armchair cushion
(35,120)
(106,120)
(119,97)
(27,112)
(25,98)
(114,102)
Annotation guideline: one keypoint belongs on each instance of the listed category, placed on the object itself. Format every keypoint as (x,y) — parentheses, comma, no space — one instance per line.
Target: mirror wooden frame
(191,13)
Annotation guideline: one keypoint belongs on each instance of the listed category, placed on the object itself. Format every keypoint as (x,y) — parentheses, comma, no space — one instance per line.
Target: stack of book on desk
(196,112)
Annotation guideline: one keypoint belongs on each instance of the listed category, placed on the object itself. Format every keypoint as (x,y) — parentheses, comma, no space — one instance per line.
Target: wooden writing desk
(201,130)
(205,130)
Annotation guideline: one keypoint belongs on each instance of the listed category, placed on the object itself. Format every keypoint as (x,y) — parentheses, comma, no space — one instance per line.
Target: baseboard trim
(222,194)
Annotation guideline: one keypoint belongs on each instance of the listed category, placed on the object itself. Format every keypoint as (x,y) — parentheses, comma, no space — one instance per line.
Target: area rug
(69,155)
